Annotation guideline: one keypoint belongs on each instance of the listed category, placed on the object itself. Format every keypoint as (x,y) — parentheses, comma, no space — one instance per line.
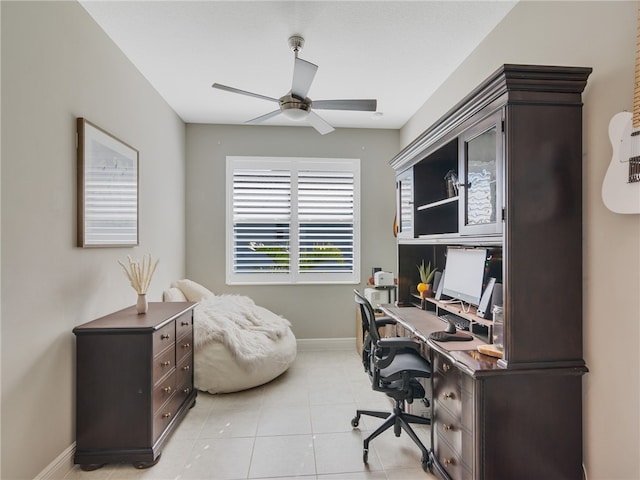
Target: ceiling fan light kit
(294,108)
(295,105)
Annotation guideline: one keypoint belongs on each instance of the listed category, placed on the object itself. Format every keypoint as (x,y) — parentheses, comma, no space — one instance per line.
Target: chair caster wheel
(365,456)
(355,421)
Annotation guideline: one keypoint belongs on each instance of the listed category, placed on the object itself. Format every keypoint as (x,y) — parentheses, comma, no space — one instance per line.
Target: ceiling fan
(295,104)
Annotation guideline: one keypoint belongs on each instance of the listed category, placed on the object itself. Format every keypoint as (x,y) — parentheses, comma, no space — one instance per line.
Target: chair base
(399,420)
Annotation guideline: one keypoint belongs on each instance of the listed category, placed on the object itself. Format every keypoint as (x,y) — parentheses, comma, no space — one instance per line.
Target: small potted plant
(426,279)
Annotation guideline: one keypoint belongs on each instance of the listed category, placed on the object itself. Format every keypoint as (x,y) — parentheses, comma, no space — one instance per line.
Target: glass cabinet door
(481,160)
(405,204)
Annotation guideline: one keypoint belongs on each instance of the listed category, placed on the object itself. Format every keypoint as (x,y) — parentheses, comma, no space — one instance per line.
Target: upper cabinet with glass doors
(480,185)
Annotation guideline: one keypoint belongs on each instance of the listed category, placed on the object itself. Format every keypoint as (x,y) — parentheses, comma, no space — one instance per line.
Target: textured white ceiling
(398,52)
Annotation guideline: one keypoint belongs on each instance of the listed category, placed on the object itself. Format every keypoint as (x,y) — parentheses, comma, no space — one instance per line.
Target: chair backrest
(368,316)
(370,335)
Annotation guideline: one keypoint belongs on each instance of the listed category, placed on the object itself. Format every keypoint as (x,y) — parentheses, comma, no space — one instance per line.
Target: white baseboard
(59,468)
(333,344)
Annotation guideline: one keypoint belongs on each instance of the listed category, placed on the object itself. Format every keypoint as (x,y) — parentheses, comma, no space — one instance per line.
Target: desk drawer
(447,427)
(450,462)
(447,392)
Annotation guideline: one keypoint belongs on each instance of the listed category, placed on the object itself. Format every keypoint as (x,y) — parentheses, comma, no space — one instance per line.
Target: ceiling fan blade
(303,74)
(242,92)
(264,117)
(360,105)
(317,122)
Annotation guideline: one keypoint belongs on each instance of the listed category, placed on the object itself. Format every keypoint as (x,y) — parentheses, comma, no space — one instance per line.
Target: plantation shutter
(292,220)
(261,220)
(326,221)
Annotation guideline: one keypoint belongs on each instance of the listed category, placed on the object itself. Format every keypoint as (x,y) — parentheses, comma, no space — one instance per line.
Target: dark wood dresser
(134,383)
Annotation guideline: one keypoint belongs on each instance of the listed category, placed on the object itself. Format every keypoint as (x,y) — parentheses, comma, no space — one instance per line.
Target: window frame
(293,165)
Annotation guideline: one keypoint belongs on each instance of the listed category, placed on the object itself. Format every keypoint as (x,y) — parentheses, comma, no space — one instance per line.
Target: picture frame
(108,184)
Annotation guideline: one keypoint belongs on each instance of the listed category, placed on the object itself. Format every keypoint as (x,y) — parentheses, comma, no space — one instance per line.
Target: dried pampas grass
(139,273)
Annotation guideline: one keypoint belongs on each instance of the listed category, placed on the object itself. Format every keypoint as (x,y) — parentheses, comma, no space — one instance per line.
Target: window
(293,220)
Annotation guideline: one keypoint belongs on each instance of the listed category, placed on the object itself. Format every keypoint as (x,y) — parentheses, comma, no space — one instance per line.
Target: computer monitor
(464,276)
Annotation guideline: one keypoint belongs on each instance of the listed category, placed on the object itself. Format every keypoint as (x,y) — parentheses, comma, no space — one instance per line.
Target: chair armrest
(397,343)
(391,346)
(382,321)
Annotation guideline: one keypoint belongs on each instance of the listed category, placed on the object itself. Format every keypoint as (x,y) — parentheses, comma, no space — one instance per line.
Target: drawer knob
(166,364)
(166,415)
(184,324)
(446,367)
(187,390)
(165,336)
(167,389)
(448,396)
(186,368)
(447,428)
(186,345)
(448,462)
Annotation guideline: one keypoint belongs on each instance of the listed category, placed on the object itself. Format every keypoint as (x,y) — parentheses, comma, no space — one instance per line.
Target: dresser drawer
(162,418)
(184,325)
(164,390)
(184,347)
(164,337)
(164,363)
(184,389)
(185,371)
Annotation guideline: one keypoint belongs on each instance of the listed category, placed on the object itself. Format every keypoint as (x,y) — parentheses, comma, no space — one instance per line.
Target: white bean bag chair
(237,344)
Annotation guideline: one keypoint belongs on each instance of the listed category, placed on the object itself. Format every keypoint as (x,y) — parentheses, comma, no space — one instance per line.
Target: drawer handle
(447,428)
(446,367)
(165,336)
(186,368)
(165,364)
(186,390)
(448,396)
(186,345)
(167,389)
(166,415)
(184,324)
(448,462)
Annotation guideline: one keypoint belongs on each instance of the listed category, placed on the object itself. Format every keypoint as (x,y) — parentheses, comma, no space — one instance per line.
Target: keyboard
(459,322)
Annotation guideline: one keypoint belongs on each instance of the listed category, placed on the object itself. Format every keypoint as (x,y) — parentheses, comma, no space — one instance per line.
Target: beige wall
(599,35)
(57,64)
(315,311)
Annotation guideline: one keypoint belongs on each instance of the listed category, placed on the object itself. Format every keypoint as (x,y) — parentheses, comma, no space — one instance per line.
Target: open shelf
(438,203)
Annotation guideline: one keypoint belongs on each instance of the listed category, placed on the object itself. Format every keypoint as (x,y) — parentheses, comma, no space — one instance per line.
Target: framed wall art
(107,189)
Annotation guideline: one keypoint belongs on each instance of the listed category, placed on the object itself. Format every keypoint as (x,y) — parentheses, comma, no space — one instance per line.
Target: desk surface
(465,354)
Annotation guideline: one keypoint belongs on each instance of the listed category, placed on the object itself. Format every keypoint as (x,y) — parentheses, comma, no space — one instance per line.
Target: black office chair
(393,365)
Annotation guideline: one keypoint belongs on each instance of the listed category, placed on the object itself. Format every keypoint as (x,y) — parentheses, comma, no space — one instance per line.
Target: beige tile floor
(296,427)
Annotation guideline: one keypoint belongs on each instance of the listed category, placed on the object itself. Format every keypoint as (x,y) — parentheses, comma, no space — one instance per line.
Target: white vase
(142,305)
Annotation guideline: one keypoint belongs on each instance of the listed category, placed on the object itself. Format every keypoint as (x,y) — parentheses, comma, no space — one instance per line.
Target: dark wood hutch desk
(514,144)
(490,422)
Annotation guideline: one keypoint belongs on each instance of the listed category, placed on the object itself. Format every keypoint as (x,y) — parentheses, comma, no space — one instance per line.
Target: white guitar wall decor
(621,186)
